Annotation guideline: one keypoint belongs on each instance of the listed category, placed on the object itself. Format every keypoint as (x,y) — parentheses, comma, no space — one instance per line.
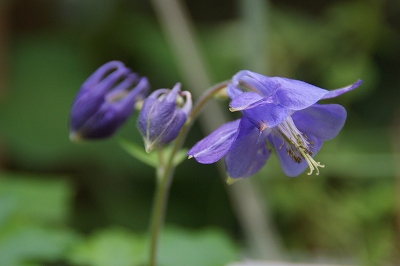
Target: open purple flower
(279,111)
(105,101)
(162,116)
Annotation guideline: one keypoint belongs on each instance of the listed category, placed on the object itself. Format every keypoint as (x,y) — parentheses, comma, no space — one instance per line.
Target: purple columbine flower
(162,116)
(279,111)
(105,101)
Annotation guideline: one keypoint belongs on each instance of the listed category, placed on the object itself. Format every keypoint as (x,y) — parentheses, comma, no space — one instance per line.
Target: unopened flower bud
(105,101)
(163,114)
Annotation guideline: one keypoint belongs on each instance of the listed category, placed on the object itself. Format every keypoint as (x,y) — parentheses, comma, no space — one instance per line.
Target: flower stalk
(165,173)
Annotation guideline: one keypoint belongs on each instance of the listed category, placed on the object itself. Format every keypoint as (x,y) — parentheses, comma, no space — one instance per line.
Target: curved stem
(204,98)
(165,173)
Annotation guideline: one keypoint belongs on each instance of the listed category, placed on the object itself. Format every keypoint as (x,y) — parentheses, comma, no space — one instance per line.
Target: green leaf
(30,210)
(151,159)
(180,156)
(116,246)
(139,153)
(119,247)
(34,243)
(209,247)
(39,199)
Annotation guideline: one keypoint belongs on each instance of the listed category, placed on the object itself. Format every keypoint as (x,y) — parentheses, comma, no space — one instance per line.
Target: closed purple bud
(162,116)
(105,101)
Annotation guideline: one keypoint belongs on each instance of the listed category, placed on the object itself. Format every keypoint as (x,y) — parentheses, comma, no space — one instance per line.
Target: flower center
(298,147)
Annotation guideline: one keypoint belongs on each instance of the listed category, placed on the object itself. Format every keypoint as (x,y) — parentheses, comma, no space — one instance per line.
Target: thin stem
(160,199)
(165,173)
(204,98)
(161,164)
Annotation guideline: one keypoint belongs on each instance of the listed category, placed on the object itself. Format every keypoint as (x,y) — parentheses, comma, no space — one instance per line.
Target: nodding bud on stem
(162,116)
(105,101)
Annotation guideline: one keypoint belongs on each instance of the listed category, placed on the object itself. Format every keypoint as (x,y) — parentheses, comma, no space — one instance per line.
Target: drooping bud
(105,101)
(162,116)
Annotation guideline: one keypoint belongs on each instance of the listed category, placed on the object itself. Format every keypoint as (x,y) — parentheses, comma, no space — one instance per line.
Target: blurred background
(63,203)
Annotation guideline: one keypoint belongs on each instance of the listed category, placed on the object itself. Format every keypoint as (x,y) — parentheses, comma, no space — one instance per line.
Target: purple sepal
(105,101)
(160,119)
(216,145)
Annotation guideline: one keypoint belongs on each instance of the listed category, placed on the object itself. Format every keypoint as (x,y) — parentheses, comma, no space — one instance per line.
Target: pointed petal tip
(148,146)
(354,85)
(149,149)
(76,137)
(230,180)
(357,83)
(177,87)
(178,84)
(338,92)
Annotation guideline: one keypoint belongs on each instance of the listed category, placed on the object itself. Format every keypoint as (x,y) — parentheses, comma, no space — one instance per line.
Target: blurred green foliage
(119,247)
(63,203)
(33,216)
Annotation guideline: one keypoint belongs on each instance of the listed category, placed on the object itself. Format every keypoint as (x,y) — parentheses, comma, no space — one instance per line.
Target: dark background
(71,195)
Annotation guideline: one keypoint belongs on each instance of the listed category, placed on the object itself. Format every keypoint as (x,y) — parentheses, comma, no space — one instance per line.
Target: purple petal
(323,121)
(83,108)
(248,153)
(289,167)
(171,96)
(247,100)
(110,82)
(267,116)
(160,120)
(97,76)
(255,82)
(232,91)
(140,90)
(296,94)
(112,114)
(216,145)
(105,121)
(92,93)
(121,89)
(337,92)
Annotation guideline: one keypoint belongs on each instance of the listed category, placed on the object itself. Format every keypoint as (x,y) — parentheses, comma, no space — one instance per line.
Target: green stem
(165,173)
